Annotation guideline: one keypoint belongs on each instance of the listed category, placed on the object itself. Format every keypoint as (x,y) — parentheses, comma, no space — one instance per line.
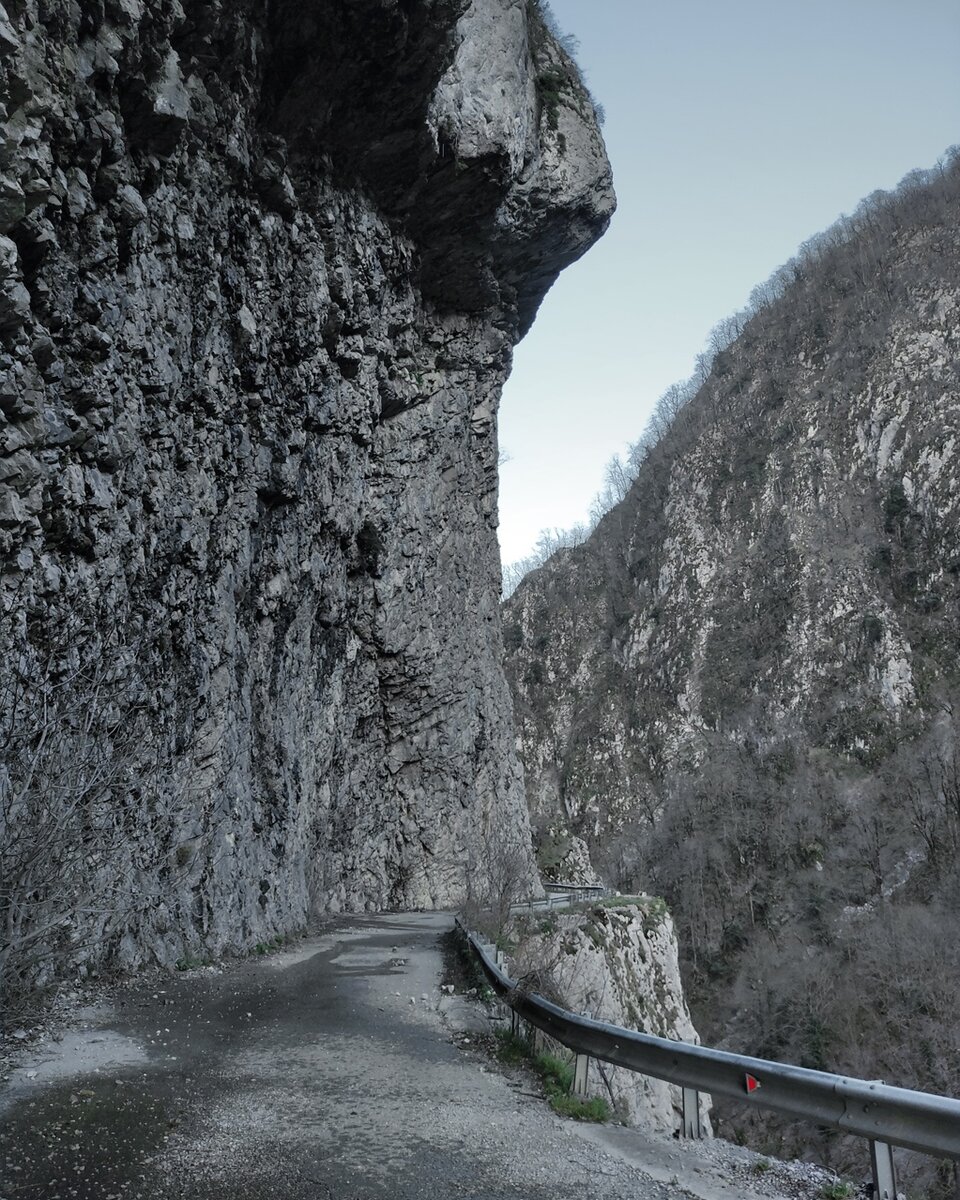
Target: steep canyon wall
(262,271)
(742,691)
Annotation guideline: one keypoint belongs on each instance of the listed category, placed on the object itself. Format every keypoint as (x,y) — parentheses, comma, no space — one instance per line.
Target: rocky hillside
(261,272)
(743,690)
(616,962)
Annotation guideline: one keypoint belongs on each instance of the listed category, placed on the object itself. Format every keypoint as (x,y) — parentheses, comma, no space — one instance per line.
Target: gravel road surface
(342,1069)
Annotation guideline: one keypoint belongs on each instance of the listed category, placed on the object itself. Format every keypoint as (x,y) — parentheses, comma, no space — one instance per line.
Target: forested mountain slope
(744,689)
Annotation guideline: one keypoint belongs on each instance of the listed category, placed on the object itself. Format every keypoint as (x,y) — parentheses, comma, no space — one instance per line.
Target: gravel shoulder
(343,1068)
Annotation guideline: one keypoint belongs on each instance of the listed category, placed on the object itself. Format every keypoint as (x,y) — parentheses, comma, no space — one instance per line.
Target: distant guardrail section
(886,1116)
(561,895)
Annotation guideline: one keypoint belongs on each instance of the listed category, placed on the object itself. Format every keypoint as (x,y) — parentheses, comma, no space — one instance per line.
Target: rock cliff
(261,271)
(618,963)
(742,690)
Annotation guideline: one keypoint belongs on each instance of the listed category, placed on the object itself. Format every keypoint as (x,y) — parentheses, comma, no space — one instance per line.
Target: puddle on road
(85,1140)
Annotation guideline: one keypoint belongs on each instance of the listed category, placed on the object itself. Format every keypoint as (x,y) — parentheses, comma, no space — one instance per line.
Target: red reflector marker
(752,1084)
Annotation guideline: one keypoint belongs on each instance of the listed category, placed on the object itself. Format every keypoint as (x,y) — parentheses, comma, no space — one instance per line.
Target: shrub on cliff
(77,784)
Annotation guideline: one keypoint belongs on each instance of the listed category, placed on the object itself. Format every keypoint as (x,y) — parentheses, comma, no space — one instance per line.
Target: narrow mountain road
(340,1069)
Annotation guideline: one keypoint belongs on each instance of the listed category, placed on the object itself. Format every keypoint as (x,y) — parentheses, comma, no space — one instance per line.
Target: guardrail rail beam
(885,1116)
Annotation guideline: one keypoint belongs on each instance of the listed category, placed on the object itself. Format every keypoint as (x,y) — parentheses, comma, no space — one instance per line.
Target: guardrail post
(884,1171)
(500,960)
(581,1070)
(690,1127)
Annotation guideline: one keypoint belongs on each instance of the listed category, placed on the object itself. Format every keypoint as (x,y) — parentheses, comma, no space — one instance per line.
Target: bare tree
(498,877)
(78,777)
(548,543)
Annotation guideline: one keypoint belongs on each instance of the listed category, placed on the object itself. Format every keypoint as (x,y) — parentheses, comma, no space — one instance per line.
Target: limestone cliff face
(262,271)
(618,964)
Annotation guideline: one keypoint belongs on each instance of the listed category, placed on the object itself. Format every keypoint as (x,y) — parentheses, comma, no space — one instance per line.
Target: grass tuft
(595,1109)
(837,1191)
(556,1075)
(511,1049)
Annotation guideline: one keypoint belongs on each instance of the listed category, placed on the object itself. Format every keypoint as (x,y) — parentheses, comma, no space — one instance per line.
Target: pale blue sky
(736,130)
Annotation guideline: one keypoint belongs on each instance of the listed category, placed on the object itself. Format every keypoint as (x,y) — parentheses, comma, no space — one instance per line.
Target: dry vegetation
(79,785)
(806,841)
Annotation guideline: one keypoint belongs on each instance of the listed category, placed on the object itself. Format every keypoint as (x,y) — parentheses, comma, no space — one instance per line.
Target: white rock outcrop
(616,963)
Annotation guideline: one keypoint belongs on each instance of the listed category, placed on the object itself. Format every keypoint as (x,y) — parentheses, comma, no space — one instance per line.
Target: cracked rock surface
(261,273)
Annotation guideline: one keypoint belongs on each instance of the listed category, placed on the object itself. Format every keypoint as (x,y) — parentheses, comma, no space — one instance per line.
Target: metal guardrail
(559,895)
(592,889)
(886,1116)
